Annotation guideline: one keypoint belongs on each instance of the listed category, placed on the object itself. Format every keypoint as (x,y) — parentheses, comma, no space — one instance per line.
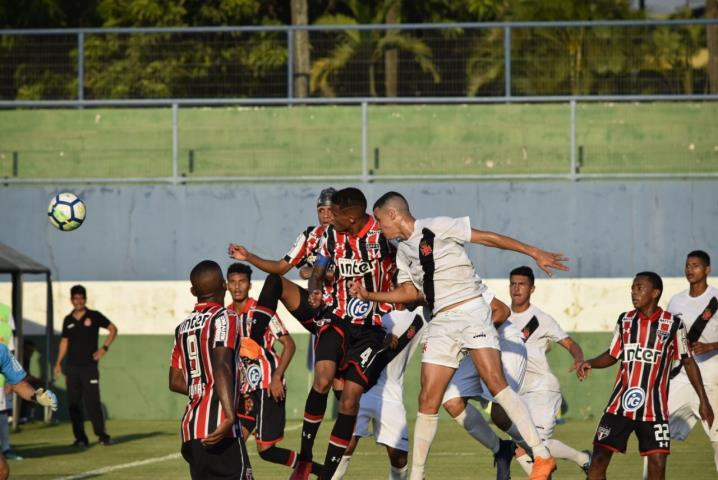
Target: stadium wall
(139,243)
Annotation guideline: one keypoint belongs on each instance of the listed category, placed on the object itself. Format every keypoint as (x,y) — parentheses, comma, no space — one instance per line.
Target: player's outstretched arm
(545,260)
(694,375)
(240,252)
(404,293)
(574,349)
(177,382)
(602,361)
(222,361)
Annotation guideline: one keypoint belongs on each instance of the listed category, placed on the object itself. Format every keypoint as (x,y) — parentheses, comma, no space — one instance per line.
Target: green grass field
(153,446)
(326,140)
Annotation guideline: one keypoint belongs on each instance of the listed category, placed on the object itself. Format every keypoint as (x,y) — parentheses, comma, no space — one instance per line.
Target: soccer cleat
(301,471)
(10,455)
(586,466)
(106,440)
(80,443)
(543,468)
(502,459)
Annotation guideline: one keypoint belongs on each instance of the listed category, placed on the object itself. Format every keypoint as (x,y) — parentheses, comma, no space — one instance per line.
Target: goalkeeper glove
(46,398)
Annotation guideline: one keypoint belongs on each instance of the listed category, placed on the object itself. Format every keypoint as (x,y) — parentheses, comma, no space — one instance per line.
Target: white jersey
(539,330)
(689,309)
(433,258)
(390,386)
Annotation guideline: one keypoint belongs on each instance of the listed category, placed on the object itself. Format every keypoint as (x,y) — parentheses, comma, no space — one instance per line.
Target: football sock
(525,461)
(338,442)
(561,450)
(4,430)
(519,414)
(396,473)
(342,467)
(266,306)
(473,422)
(517,438)
(313,414)
(424,431)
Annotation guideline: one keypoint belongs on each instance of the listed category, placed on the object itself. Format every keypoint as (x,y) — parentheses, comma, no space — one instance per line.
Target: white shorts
(454,331)
(466,382)
(683,410)
(544,407)
(387,419)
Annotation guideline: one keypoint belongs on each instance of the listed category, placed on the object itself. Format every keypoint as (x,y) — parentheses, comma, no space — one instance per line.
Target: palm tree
(360,44)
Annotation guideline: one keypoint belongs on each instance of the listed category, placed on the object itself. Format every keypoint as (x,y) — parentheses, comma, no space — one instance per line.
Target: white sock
(342,468)
(561,450)
(473,422)
(519,414)
(424,432)
(4,430)
(517,438)
(399,473)
(526,463)
(715,453)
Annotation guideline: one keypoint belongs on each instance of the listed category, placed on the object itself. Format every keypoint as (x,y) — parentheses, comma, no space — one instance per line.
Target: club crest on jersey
(664,329)
(357,308)
(633,399)
(353,268)
(254,375)
(603,432)
(707,314)
(635,352)
(425,248)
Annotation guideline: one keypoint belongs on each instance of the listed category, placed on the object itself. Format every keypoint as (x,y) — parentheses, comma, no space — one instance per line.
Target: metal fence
(432,60)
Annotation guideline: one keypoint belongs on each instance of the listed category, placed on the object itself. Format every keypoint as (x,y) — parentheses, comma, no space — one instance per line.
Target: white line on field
(122,466)
(139,463)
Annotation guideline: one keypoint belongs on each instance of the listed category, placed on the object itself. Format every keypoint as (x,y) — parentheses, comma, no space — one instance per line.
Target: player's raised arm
(316,281)
(545,260)
(240,252)
(403,293)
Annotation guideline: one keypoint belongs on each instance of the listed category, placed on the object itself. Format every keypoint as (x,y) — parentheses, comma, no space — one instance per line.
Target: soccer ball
(66,211)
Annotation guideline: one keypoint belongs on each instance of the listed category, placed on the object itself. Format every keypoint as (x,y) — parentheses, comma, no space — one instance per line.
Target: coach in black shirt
(80,333)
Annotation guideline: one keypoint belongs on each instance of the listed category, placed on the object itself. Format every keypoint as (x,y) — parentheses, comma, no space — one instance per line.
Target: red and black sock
(287,457)
(313,414)
(338,443)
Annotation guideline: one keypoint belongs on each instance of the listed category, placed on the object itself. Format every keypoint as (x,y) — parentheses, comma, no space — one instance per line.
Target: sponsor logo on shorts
(357,308)
(603,432)
(635,352)
(254,375)
(633,399)
(480,335)
(353,268)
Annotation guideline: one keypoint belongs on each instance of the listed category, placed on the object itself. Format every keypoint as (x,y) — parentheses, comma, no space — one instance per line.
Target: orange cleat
(543,468)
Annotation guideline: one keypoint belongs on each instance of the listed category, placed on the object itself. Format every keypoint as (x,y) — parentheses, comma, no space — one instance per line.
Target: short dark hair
(78,290)
(655,280)
(387,197)
(524,271)
(240,268)
(349,198)
(705,258)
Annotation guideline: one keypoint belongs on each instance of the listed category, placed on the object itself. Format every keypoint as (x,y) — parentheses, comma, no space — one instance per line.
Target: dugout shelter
(17,265)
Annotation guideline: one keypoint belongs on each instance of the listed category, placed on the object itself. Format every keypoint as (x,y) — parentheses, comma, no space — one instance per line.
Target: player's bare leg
(434,380)
(599,464)
(488,363)
(657,466)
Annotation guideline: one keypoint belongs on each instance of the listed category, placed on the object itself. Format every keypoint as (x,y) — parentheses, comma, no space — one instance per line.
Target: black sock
(279,455)
(313,414)
(338,443)
(266,306)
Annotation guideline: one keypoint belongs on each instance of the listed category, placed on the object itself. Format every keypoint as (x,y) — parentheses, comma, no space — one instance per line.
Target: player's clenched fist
(238,252)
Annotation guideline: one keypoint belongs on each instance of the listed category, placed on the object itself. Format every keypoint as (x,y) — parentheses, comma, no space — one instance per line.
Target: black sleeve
(102,320)
(65,330)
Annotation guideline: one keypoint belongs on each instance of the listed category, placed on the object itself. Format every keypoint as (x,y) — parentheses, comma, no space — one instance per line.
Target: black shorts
(365,357)
(227,460)
(310,318)
(613,432)
(331,343)
(263,415)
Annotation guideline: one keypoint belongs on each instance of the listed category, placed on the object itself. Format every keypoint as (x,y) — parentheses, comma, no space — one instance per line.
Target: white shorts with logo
(466,382)
(683,410)
(544,407)
(450,333)
(387,419)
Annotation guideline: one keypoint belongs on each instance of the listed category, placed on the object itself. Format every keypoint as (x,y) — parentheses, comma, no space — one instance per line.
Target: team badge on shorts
(602,432)
(357,308)
(633,399)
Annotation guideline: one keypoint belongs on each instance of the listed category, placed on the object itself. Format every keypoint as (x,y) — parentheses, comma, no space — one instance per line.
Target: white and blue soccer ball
(66,211)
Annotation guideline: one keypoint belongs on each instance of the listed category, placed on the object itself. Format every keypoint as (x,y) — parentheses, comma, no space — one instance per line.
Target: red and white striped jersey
(304,252)
(257,373)
(210,325)
(367,258)
(646,348)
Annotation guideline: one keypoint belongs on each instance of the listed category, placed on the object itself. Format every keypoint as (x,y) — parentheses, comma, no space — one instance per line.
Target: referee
(80,332)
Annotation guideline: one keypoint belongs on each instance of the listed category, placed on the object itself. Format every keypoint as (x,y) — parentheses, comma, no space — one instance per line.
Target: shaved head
(207,280)
(393,200)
